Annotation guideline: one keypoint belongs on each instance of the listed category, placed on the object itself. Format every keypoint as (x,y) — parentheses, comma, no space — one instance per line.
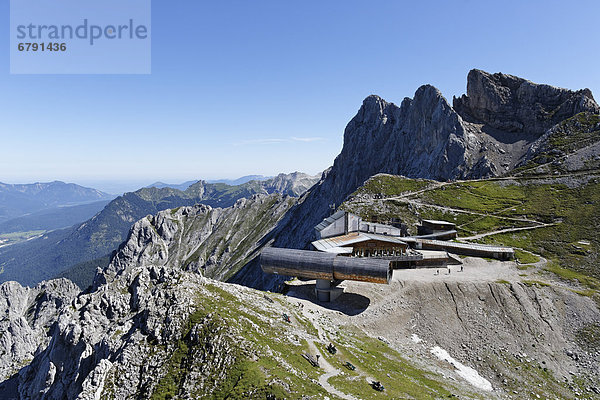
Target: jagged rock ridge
(125,328)
(57,251)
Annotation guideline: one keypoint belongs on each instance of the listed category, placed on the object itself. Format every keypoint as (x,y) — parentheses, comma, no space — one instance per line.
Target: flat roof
(376,224)
(437,222)
(461,245)
(336,242)
(340,250)
(433,254)
(432,235)
(330,220)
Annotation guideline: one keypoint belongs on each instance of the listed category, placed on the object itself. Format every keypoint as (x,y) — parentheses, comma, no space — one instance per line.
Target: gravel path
(310,311)
(330,371)
(508,230)
(461,211)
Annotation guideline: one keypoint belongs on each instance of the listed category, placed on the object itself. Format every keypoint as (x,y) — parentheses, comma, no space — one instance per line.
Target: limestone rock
(26,317)
(121,332)
(514,104)
(294,184)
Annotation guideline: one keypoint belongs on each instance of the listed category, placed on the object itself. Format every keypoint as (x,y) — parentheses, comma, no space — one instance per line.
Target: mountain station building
(346,234)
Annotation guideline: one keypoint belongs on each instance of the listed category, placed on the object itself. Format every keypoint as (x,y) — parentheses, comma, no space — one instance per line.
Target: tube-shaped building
(324,266)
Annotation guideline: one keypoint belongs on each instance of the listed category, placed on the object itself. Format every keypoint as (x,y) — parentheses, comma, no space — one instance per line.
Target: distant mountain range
(179,186)
(241,180)
(17,200)
(77,247)
(231,182)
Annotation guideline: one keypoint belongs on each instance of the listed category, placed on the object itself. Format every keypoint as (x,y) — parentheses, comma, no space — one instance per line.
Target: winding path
(461,211)
(330,370)
(508,230)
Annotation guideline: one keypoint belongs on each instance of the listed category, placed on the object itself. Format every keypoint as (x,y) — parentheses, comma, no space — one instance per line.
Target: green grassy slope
(265,355)
(564,212)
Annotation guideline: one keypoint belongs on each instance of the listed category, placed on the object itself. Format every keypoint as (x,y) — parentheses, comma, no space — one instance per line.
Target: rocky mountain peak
(405,139)
(429,92)
(372,104)
(293,184)
(514,104)
(373,108)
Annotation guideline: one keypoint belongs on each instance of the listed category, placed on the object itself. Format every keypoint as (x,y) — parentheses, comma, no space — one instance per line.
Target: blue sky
(261,87)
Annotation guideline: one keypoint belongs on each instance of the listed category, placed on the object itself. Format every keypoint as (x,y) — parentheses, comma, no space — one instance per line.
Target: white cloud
(307,139)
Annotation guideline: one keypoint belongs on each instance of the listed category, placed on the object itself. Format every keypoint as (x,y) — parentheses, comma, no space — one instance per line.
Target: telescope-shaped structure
(327,268)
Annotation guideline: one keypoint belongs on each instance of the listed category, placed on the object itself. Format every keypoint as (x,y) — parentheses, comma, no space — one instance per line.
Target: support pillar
(325,290)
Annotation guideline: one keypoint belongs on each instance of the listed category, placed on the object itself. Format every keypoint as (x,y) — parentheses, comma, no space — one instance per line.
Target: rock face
(424,138)
(110,329)
(514,104)
(216,242)
(26,317)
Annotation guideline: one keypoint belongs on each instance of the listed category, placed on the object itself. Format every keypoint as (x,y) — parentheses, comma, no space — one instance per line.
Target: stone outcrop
(111,328)
(514,104)
(26,315)
(422,138)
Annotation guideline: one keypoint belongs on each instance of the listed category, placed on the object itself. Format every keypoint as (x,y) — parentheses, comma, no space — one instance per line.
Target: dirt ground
(483,318)
(473,270)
